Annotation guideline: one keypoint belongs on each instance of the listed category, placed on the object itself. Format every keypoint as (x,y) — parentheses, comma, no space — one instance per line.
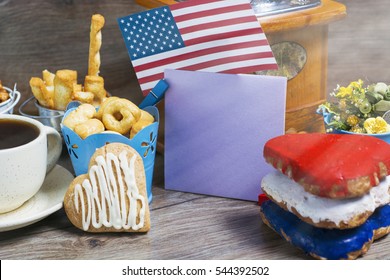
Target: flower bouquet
(358,109)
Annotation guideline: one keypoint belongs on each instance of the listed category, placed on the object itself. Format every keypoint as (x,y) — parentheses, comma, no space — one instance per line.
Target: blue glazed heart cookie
(324,243)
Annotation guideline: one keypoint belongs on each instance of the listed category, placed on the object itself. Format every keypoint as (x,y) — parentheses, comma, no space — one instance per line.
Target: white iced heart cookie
(112,196)
(322,211)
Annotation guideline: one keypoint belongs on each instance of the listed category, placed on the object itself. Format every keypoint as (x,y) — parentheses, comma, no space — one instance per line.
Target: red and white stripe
(220,36)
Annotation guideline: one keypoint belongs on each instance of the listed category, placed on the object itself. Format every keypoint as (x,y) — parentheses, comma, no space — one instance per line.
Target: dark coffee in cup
(28,150)
(14,133)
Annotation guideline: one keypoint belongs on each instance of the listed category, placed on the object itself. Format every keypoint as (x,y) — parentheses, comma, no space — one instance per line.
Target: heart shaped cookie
(330,165)
(322,211)
(112,196)
(333,244)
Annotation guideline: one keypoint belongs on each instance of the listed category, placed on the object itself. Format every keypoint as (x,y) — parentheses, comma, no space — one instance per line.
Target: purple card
(216,126)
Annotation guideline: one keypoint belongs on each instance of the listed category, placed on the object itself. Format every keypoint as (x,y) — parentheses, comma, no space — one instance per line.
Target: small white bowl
(7,107)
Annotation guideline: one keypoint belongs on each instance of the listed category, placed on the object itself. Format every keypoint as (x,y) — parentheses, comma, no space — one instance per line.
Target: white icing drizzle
(283,189)
(106,180)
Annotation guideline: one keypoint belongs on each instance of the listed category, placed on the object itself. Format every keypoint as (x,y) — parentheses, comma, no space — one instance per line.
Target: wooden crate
(309,29)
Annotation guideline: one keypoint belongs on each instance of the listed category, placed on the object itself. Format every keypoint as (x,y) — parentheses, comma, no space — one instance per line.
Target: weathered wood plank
(53,35)
(200,227)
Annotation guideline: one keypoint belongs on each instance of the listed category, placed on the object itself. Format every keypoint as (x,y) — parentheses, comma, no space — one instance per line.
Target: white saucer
(48,200)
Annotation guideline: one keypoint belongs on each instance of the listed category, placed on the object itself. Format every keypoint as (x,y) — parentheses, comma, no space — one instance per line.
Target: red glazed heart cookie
(112,196)
(330,165)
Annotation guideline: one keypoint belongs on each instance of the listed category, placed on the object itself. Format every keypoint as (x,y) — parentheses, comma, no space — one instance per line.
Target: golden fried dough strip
(63,88)
(104,105)
(77,87)
(48,77)
(84,96)
(41,93)
(95,43)
(146,117)
(145,120)
(83,113)
(89,127)
(95,85)
(35,84)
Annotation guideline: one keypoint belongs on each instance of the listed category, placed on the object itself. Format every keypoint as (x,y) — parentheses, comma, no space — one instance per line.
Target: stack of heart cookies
(329,194)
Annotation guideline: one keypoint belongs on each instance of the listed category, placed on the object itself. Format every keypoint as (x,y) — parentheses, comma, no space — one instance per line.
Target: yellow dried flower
(357,129)
(352,120)
(344,92)
(356,84)
(343,105)
(376,125)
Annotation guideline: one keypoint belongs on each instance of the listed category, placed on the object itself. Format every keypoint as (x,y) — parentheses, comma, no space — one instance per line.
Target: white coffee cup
(23,168)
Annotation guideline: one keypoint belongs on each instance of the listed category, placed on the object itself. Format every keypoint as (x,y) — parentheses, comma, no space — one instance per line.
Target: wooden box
(307,29)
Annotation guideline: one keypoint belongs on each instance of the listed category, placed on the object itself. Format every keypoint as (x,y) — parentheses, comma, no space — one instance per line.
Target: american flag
(207,35)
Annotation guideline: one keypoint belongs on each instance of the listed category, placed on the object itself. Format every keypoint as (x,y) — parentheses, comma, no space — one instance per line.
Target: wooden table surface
(35,35)
(183,226)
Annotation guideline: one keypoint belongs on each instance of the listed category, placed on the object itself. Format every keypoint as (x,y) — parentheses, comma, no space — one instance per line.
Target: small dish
(7,107)
(48,200)
(327,119)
